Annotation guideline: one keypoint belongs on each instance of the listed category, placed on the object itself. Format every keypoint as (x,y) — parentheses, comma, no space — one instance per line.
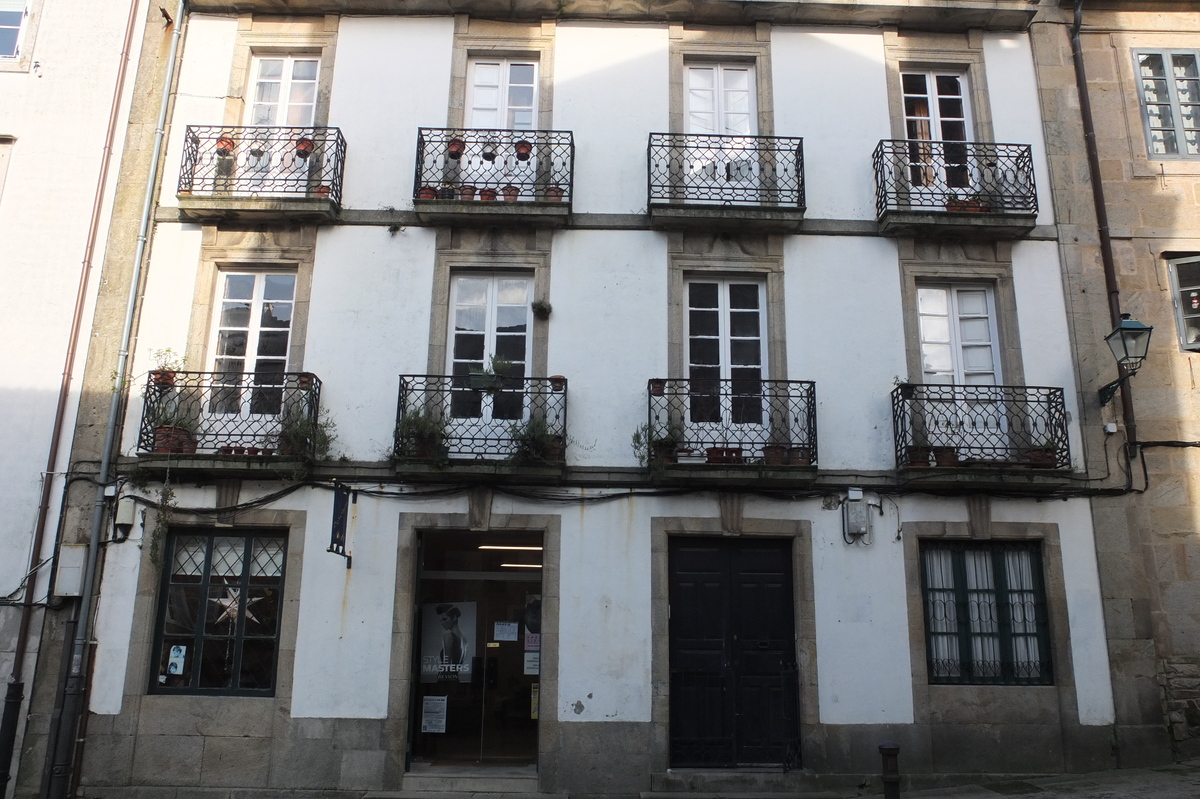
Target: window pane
(272,344)
(742,324)
(270,68)
(239,287)
(8,41)
(520,95)
(521,73)
(913,84)
(510,348)
(258,663)
(512,292)
(744,353)
(705,351)
(468,347)
(227,556)
(231,343)
(742,295)
(304,69)
(702,295)
(703,323)
(216,663)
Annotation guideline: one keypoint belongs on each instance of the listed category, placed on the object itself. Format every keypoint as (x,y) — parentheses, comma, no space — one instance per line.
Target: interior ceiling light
(521,565)
(497,546)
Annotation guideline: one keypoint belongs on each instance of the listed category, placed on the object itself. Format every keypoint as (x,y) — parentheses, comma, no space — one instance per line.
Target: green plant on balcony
(491,378)
(421,434)
(304,435)
(534,443)
(657,444)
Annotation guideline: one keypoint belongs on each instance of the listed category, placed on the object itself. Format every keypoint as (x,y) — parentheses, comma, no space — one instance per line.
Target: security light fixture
(1129,342)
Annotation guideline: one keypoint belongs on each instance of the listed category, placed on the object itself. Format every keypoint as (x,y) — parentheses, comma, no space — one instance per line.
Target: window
(936,110)
(503,94)
(492,320)
(1170,91)
(958,334)
(13,14)
(218,622)
(251,336)
(725,364)
(719,99)
(985,613)
(1185,279)
(284,91)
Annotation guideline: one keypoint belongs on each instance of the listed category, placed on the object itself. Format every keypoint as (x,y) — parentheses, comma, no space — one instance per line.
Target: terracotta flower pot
(554,194)
(487,195)
(162,377)
(225,146)
(466,193)
(658,386)
(725,455)
(511,193)
(455,148)
(523,149)
(558,383)
(169,438)
(427,193)
(774,454)
(304,147)
(800,456)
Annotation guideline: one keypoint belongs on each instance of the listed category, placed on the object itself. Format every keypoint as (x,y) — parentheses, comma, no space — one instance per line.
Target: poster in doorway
(447,638)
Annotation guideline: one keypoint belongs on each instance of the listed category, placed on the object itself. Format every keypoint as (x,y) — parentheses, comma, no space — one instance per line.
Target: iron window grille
(954,177)
(230,413)
(219,612)
(482,416)
(731,421)
(1003,426)
(985,613)
(481,165)
(263,162)
(703,169)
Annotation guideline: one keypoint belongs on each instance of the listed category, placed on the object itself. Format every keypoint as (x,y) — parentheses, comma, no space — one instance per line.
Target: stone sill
(709,475)
(934,15)
(769,219)
(1011,477)
(938,224)
(208,208)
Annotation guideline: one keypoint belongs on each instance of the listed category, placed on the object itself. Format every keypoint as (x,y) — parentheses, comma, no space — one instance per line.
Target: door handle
(764,644)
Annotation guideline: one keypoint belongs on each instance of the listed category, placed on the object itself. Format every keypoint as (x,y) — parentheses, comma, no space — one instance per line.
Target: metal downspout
(72,696)
(1106,254)
(15,693)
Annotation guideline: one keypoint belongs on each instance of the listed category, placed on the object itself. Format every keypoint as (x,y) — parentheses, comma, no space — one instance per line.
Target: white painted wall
(608,335)
(1085,613)
(203,86)
(611,89)
(1016,117)
(846,332)
(1045,338)
(392,76)
(368,324)
(815,72)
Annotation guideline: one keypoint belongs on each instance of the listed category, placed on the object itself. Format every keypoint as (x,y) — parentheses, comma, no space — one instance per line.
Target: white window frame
(725,340)
(22,28)
(503,110)
(1184,295)
(1173,101)
(285,82)
(934,106)
(954,320)
(720,100)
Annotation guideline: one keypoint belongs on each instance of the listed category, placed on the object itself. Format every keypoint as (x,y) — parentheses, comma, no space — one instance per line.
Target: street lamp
(1129,342)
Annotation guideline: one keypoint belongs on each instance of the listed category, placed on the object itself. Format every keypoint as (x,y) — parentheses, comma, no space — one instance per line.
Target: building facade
(829,475)
(63,101)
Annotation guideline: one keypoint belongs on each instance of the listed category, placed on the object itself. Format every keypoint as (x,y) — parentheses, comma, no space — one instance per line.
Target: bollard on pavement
(890,753)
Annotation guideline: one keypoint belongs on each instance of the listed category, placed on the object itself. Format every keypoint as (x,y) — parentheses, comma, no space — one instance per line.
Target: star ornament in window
(229,606)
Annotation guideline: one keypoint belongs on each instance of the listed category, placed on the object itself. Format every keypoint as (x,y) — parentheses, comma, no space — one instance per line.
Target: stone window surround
(480,520)
(962,52)
(936,702)
(272,250)
(477,37)
(462,250)
(258,36)
(661,528)
(751,45)
(143,660)
(699,255)
(993,269)
(24,60)
(1172,259)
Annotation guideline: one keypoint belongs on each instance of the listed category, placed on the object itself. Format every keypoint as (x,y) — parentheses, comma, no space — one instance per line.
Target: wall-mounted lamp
(1129,342)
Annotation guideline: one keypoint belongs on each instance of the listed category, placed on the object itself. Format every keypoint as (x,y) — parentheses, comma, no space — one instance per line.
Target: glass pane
(175,663)
(977,359)
(702,77)
(913,84)
(745,353)
(471,291)
(304,69)
(949,85)
(183,604)
(266,93)
(521,120)
(270,68)
(276,314)
(704,351)
(954,131)
(932,301)
(231,343)
(950,107)
(1155,91)
(262,611)
(936,358)
(239,287)
(8,41)
(273,343)
(1152,65)
(742,295)
(222,612)
(471,317)
(935,329)
(303,94)
(520,95)
(189,557)
(703,323)
(235,314)
(300,116)
(974,331)
(227,553)
(468,347)
(279,287)
(521,73)
(916,107)
(216,663)
(510,348)
(743,324)
(258,664)
(512,292)
(702,295)
(511,318)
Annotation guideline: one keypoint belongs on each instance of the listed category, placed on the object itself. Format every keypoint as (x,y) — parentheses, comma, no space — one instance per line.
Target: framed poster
(447,638)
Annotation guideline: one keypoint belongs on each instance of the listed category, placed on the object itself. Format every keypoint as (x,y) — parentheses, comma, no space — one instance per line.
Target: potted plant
(225,146)
(176,421)
(466,193)
(490,378)
(658,386)
(421,434)
(523,149)
(725,455)
(658,444)
(167,363)
(510,192)
(323,190)
(774,454)
(554,193)
(455,148)
(799,456)
(558,383)
(534,443)
(1041,455)
(487,195)
(449,191)
(541,309)
(427,193)
(973,203)
(304,147)
(489,151)
(302,435)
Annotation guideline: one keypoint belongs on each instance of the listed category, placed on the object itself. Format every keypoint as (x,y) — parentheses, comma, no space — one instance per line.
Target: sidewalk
(1180,781)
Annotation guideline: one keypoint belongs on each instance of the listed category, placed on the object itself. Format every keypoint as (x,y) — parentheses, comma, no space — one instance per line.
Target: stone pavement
(1179,781)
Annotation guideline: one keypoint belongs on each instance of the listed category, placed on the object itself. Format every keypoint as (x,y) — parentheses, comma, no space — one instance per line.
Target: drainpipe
(77,675)
(1106,254)
(15,693)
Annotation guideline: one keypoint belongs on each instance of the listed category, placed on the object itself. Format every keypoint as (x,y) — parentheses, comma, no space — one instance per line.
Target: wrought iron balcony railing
(479,166)
(698,169)
(998,426)
(281,163)
(703,420)
(954,177)
(232,413)
(482,417)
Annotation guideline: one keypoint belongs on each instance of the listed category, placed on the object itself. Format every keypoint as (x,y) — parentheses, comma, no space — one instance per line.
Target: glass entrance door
(479,614)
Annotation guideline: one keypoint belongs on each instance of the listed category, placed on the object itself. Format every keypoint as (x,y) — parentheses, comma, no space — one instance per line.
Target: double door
(734,682)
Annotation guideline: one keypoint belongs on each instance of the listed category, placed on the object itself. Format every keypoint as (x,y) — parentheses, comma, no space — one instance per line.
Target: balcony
(494,177)
(481,423)
(233,417)
(745,182)
(962,189)
(736,429)
(985,430)
(261,174)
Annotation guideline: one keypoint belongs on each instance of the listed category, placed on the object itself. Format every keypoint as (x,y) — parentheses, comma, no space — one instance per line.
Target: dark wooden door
(734,684)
